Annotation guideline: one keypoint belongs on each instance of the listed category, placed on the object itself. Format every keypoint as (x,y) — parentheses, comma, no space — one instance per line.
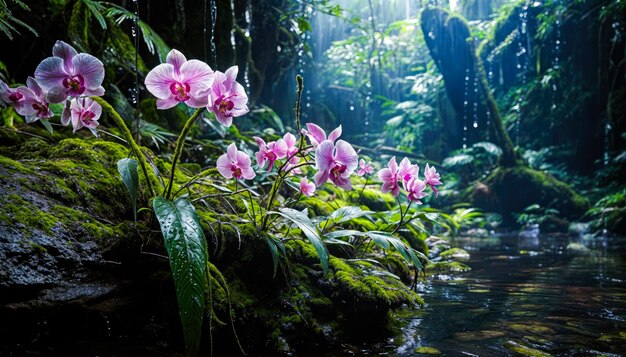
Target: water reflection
(533,294)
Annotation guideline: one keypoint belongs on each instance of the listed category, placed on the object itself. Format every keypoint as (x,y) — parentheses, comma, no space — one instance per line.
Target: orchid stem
(180,143)
(367,180)
(129,137)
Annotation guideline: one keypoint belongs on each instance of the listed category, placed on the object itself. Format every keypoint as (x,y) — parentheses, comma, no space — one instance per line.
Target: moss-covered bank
(509,190)
(70,252)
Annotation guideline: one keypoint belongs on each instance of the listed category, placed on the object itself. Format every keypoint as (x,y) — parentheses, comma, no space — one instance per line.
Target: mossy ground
(66,199)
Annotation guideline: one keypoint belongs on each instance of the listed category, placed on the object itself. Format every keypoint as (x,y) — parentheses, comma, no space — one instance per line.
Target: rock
(430,351)
(530,327)
(478,335)
(577,249)
(456,254)
(524,350)
(539,188)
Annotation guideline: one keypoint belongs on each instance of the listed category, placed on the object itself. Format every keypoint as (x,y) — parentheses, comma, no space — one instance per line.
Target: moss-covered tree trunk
(449,40)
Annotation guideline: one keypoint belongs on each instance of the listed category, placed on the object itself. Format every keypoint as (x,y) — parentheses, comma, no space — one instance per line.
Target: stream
(525,291)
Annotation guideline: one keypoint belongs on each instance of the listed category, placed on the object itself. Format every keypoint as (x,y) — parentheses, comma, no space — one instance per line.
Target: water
(532,291)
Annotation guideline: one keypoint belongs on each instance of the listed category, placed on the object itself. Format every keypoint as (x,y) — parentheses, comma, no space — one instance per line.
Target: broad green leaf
(386,240)
(347,213)
(343,233)
(274,245)
(379,238)
(187,251)
(130,176)
(304,223)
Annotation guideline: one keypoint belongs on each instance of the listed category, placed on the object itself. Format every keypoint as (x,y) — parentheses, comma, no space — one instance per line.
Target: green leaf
(343,233)
(304,223)
(130,175)
(96,10)
(387,240)
(187,251)
(47,125)
(347,213)
(274,245)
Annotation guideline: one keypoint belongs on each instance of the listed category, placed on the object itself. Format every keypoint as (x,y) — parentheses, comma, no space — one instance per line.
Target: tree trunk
(449,40)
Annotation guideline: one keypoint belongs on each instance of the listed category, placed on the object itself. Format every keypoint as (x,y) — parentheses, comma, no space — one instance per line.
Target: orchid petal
(223,166)
(346,155)
(231,76)
(290,139)
(223,119)
(50,74)
(66,53)
(196,74)
(280,149)
(90,68)
(243,160)
(197,101)
(97,92)
(335,134)
(159,79)
(231,152)
(176,59)
(166,103)
(316,132)
(32,84)
(321,177)
(324,155)
(393,166)
(248,173)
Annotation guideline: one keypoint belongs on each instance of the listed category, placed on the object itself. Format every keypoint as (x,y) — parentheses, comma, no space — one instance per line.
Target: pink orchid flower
(389,178)
(85,112)
(392,174)
(270,152)
(316,134)
(227,98)
(307,188)
(235,164)
(407,171)
(415,189)
(336,162)
(292,148)
(432,178)
(70,74)
(178,80)
(32,102)
(9,95)
(364,169)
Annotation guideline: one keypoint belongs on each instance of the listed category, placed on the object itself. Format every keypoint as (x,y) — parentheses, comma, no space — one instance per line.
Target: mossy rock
(447,267)
(455,254)
(509,190)
(429,351)
(523,350)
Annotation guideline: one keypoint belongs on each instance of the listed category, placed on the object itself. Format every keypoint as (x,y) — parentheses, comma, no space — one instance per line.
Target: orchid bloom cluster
(335,160)
(194,83)
(67,77)
(408,173)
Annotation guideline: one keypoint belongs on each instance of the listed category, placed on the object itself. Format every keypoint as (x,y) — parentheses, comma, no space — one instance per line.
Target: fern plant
(9,24)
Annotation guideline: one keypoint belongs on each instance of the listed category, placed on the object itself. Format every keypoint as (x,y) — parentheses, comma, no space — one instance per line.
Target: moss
(454,254)
(376,200)
(444,267)
(423,350)
(524,350)
(495,193)
(37,248)
(379,290)
(17,211)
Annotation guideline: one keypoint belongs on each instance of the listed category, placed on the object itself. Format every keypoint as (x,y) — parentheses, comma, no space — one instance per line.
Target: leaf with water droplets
(128,170)
(187,251)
